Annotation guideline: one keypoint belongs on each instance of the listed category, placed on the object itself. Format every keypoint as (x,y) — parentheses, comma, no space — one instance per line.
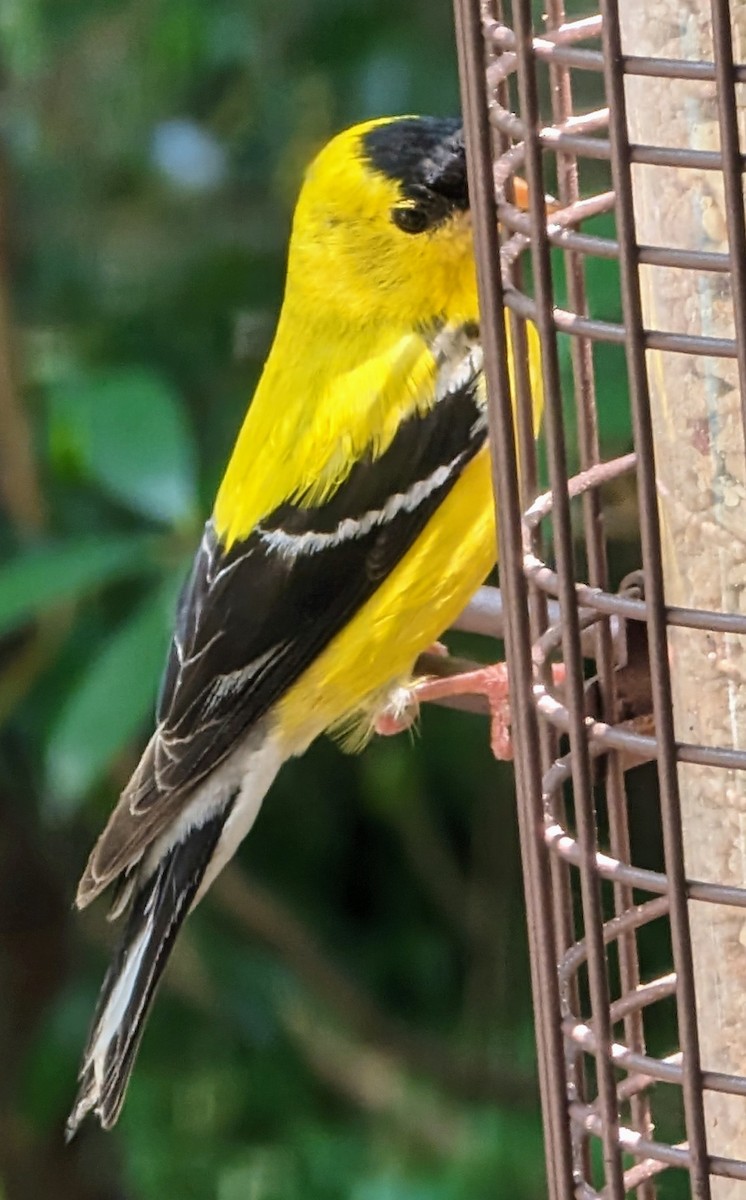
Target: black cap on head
(426,156)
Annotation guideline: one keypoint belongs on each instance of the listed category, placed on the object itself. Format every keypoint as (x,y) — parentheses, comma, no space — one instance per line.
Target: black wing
(252,618)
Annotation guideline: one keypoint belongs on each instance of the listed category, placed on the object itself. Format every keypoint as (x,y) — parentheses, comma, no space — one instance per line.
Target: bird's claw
(491,682)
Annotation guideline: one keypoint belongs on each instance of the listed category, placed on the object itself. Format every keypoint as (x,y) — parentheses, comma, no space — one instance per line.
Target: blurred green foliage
(350,1016)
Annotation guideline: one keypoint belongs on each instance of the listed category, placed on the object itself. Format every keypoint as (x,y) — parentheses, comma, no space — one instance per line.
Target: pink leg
(491,682)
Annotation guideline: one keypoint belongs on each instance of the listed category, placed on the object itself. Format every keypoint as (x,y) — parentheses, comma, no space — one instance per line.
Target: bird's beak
(520,195)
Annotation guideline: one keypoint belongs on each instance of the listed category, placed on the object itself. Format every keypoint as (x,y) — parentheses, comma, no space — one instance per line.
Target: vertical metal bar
(730,144)
(581,354)
(660,675)
(518,646)
(529,485)
(526,436)
(556,449)
(585,403)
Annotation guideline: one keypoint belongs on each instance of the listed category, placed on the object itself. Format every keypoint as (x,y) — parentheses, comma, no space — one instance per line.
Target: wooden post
(701,474)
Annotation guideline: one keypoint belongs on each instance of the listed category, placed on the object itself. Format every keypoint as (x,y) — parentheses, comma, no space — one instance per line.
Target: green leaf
(111,701)
(49,574)
(126,429)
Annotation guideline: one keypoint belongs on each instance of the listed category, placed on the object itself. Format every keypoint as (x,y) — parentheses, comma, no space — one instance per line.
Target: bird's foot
(491,682)
(402,707)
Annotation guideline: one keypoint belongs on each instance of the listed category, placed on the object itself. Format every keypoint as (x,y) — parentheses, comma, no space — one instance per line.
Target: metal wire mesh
(619,1119)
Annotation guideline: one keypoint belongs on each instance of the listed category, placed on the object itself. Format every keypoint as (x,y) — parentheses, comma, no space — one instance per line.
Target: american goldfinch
(353,523)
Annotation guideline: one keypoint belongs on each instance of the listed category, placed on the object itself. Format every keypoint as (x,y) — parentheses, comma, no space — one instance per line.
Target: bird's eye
(410,220)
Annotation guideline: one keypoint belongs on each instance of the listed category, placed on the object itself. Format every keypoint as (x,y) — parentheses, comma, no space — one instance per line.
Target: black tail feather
(158,910)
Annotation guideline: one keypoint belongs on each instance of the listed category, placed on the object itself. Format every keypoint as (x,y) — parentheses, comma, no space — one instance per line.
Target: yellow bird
(353,524)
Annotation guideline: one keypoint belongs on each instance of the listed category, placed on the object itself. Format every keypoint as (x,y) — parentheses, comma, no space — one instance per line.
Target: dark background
(348,1015)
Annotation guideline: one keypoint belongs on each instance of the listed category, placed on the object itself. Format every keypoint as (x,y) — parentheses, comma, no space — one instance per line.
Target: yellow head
(382,231)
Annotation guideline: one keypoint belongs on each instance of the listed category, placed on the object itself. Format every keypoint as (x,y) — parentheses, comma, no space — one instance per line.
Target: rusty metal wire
(589,902)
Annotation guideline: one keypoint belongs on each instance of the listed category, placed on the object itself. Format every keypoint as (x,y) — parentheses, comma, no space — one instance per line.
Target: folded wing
(252,617)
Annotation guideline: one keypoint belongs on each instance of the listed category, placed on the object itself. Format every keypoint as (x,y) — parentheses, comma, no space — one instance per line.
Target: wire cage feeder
(636,112)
